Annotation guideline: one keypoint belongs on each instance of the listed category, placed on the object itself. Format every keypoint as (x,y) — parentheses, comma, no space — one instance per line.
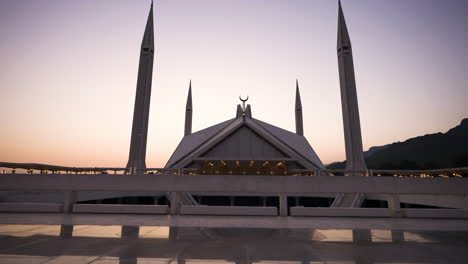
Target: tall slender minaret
(299,124)
(349,103)
(137,155)
(188,112)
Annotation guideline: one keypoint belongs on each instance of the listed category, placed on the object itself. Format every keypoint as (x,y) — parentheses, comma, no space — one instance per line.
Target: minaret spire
(343,36)
(349,102)
(137,155)
(188,112)
(298,111)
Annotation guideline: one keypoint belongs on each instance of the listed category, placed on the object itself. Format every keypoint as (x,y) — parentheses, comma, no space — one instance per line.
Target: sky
(68,72)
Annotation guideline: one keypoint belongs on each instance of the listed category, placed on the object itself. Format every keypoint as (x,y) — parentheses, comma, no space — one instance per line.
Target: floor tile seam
(313,253)
(73,250)
(27,244)
(171,260)
(27,230)
(83,228)
(149,231)
(425,246)
(176,257)
(89,226)
(99,257)
(20,256)
(382,238)
(117,249)
(33,257)
(51,259)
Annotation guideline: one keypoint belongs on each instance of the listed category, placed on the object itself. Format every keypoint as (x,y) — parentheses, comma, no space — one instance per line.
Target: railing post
(398,236)
(362,235)
(174,202)
(70,200)
(66,231)
(173,233)
(394,205)
(129,231)
(283,204)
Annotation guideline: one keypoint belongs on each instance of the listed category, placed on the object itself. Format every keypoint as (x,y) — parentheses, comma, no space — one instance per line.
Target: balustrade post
(362,235)
(70,199)
(398,236)
(174,203)
(130,231)
(394,205)
(283,204)
(66,231)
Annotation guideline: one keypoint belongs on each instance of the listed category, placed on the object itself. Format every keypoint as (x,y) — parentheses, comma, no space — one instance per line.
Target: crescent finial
(244,100)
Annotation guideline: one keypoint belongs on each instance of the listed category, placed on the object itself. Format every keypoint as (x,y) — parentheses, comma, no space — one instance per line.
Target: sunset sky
(68,72)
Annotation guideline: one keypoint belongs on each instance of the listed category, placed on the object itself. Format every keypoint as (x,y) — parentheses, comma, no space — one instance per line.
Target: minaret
(188,112)
(137,155)
(349,103)
(299,124)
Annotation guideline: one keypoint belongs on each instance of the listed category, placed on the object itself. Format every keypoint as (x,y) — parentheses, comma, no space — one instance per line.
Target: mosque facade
(244,144)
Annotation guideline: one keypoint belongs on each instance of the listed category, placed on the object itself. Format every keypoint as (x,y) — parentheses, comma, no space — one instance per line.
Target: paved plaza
(31,244)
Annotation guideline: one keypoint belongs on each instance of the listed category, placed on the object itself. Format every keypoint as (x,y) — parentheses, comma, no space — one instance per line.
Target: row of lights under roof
(280,164)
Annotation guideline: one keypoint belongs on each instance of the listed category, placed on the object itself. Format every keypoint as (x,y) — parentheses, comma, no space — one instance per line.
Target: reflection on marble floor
(53,244)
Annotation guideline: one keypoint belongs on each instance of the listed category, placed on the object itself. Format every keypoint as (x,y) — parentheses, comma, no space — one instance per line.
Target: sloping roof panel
(192,141)
(296,142)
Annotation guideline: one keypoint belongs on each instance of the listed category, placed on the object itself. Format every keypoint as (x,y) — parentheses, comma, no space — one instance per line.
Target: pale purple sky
(68,72)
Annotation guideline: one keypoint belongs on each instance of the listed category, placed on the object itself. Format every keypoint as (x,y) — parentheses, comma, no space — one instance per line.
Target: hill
(431,151)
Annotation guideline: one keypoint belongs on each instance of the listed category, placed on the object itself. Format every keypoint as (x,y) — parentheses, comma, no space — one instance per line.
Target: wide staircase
(348,200)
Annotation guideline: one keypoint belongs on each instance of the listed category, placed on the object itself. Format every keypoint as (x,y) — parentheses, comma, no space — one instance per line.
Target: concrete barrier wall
(378,212)
(434,213)
(120,209)
(31,207)
(339,212)
(448,201)
(228,210)
(234,183)
(235,210)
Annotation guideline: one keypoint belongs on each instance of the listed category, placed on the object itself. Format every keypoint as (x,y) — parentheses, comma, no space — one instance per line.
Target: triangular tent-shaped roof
(244,138)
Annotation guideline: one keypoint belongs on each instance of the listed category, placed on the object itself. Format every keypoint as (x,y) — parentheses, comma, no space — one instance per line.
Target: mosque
(245,145)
